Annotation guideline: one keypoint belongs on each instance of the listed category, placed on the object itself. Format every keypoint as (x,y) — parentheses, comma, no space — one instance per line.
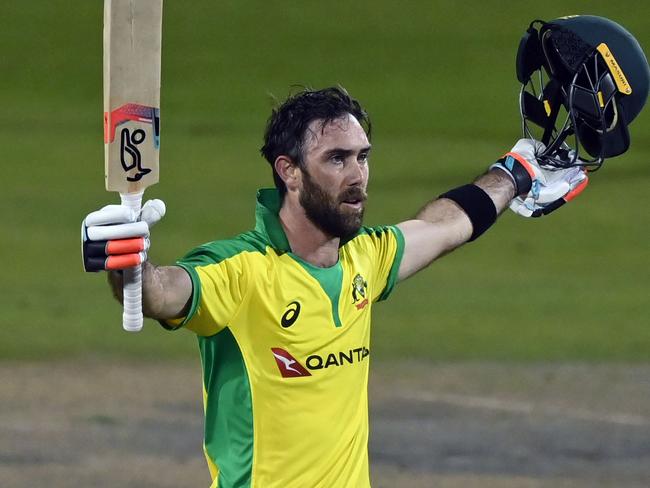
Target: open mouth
(355,201)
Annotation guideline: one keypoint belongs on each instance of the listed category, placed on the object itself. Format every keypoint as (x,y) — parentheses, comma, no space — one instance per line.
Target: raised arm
(464,213)
(166,291)
(442,225)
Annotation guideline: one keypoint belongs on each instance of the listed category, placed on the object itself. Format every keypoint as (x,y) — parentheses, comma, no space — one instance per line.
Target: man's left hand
(540,191)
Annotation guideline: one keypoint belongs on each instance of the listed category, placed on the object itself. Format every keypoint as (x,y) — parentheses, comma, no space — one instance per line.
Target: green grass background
(438,80)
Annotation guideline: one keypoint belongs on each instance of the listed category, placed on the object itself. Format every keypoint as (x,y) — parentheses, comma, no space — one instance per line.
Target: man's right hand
(115,238)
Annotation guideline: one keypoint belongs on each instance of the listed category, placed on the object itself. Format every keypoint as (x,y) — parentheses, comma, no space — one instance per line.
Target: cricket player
(282,312)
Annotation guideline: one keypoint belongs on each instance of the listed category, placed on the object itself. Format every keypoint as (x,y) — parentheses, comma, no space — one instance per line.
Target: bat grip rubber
(132,317)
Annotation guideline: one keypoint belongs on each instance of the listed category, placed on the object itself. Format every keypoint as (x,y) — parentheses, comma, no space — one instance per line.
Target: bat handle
(132,316)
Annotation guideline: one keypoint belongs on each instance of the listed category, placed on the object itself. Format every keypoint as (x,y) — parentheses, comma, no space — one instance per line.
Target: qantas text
(337,359)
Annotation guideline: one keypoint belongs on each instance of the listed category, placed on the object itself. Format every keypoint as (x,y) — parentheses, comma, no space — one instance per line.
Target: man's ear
(288,172)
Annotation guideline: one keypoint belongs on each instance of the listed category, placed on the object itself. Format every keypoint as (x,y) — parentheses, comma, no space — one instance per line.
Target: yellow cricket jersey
(285,350)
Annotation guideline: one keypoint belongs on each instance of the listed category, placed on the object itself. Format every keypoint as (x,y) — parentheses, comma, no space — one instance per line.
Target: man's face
(335,175)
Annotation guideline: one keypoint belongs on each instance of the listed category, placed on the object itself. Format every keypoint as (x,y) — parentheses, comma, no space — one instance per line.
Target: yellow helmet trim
(619,77)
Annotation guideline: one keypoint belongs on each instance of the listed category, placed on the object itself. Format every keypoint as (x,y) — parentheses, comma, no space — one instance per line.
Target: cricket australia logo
(359,291)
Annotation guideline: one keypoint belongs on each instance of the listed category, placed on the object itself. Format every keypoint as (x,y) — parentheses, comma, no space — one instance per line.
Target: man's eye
(337,159)
(363,158)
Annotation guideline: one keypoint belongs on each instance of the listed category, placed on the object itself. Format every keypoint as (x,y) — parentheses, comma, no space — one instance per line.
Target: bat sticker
(132,111)
(128,143)
(130,155)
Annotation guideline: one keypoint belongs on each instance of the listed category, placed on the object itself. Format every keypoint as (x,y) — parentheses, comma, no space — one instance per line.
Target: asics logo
(291,314)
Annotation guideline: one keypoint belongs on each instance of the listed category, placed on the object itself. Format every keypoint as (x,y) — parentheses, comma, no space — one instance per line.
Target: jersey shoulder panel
(384,246)
(217,251)
(221,272)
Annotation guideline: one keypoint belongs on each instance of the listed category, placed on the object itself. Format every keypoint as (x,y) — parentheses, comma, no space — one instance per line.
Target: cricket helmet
(591,70)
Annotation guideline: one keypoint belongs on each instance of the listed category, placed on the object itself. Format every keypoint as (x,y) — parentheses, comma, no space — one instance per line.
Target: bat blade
(132,56)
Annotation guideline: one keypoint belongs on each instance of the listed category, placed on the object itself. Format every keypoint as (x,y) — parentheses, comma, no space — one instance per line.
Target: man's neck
(307,241)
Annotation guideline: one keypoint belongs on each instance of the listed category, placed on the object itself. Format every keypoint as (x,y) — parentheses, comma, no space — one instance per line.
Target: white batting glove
(540,191)
(115,237)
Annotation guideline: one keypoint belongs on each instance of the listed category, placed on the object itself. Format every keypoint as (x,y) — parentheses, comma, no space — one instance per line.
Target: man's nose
(355,173)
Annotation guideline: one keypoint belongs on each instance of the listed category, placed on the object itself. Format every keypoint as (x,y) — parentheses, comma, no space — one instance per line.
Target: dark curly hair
(288,123)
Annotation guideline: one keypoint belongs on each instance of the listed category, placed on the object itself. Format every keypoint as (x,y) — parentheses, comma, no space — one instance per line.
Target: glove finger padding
(115,237)
(115,254)
(152,211)
(113,263)
(546,198)
(556,184)
(109,215)
(117,231)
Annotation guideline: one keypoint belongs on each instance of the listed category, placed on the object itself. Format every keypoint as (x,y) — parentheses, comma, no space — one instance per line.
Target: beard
(325,211)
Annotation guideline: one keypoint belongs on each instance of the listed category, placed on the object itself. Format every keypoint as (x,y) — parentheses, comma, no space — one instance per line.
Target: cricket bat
(132,51)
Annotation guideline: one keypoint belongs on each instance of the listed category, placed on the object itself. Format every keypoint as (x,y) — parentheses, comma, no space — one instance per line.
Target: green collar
(267,221)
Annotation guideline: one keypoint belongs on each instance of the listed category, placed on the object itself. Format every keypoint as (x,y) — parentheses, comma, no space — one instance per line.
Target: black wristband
(478,206)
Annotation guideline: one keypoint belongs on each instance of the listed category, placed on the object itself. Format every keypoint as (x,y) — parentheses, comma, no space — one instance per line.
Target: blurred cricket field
(437,78)
(439,83)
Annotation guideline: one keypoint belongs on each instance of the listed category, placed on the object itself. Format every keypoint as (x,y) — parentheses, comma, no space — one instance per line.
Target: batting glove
(116,237)
(539,191)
